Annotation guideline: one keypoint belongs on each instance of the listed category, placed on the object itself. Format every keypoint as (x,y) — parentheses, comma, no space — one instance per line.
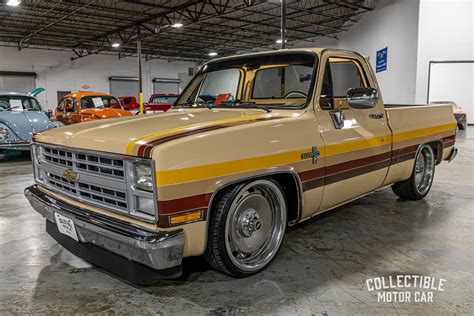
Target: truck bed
(389,106)
(415,124)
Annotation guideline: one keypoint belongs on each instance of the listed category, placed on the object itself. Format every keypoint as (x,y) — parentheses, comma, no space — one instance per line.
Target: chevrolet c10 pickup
(300,132)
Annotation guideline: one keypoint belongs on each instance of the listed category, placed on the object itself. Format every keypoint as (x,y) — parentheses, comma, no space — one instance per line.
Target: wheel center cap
(249,223)
(419,169)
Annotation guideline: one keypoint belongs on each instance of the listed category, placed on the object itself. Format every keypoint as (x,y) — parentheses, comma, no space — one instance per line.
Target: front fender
(12,137)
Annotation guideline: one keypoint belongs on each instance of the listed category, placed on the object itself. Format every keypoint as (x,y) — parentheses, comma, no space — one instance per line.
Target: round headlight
(4,133)
(143,177)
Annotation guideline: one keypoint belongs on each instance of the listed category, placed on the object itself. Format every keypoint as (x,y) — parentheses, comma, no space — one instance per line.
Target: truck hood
(123,134)
(25,123)
(106,112)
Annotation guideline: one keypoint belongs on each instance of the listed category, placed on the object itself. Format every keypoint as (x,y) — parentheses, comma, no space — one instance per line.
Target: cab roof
(81,94)
(317,50)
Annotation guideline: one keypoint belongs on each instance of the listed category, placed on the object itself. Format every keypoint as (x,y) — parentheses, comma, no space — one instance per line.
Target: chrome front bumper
(157,250)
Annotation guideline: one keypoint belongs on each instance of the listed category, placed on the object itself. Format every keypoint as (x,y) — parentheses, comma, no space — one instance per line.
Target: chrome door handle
(376,116)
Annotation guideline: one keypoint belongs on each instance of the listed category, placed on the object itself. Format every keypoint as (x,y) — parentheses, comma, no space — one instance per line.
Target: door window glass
(345,75)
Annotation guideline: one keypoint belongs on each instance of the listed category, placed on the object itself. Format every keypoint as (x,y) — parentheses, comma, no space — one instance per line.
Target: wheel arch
(437,147)
(290,182)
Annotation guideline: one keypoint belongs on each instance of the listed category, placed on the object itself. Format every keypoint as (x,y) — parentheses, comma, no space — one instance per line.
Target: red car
(129,103)
(161,102)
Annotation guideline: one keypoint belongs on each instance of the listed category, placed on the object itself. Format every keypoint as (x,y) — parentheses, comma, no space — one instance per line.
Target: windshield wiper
(244,105)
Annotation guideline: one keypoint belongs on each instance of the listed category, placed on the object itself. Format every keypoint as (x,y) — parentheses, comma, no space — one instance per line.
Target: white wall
(446,32)
(56,71)
(454,82)
(393,24)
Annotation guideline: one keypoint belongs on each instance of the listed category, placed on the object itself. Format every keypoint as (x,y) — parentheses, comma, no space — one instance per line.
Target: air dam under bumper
(160,251)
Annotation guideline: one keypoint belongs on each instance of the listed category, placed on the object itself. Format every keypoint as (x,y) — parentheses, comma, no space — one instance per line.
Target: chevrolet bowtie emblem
(314,154)
(70,175)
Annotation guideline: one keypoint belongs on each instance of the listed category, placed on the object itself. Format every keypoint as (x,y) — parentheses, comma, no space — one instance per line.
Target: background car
(129,103)
(21,116)
(161,101)
(459,113)
(88,106)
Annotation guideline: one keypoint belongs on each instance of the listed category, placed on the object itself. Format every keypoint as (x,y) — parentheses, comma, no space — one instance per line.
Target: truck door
(357,141)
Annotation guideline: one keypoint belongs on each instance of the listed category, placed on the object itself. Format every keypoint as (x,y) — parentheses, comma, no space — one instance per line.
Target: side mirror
(362,98)
(49,113)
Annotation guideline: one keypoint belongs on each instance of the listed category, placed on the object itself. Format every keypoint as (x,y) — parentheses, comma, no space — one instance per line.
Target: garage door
(163,85)
(17,81)
(124,86)
(453,81)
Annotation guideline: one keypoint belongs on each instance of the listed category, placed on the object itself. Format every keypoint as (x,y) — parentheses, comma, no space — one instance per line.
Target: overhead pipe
(140,79)
(283,23)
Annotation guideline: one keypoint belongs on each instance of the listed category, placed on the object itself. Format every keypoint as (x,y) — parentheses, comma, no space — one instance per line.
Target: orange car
(88,106)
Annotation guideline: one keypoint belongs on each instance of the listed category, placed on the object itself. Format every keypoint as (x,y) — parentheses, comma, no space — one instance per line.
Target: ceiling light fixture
(213,54)
(115,45)
(278,41)
(177,25)
(13,3)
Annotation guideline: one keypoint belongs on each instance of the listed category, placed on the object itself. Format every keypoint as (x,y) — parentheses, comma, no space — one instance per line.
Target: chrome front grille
(99,179)
(107,196)
(87,162)
(58,157)
(102,165)
(61,183)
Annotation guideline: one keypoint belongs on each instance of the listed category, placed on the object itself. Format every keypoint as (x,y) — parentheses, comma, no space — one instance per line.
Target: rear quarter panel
(413,126)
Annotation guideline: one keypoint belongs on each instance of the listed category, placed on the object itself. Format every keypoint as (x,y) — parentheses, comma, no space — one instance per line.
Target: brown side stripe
(184,204)
(311,179)
(357,172)
(145,149)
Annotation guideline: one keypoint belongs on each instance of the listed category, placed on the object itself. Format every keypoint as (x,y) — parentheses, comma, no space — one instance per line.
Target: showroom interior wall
(415,32)
(446,33)
(393,24)
(56,72)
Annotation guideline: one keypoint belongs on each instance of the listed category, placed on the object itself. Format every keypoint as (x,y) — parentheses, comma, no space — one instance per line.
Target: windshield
(18,103)
(276,80)
(97,102)
(163,99)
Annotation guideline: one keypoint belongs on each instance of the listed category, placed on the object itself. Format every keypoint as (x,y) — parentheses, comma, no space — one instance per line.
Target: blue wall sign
(381,64)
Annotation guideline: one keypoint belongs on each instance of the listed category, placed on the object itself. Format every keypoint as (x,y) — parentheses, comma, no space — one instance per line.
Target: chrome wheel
(255,225)
(424,169)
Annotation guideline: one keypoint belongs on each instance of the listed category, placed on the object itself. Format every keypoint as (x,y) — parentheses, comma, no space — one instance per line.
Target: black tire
(217,254)
(411,189)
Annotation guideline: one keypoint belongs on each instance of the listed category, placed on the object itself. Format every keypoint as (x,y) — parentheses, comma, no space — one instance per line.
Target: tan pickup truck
(299,132)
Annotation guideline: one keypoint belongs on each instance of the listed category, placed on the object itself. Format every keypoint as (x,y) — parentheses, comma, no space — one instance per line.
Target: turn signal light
(185,218)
